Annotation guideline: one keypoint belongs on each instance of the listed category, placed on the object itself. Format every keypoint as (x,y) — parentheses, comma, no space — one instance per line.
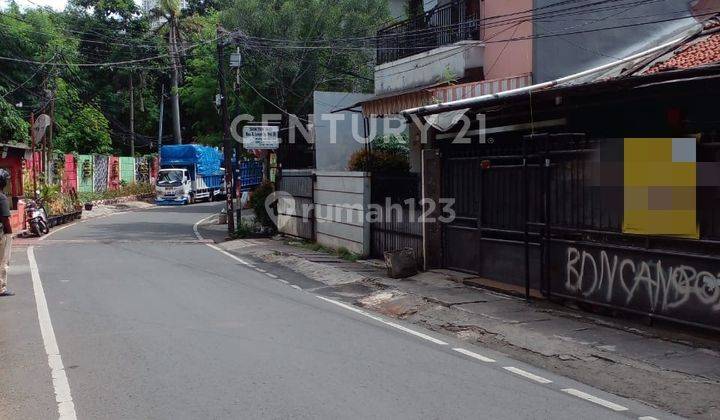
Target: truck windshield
(170,177)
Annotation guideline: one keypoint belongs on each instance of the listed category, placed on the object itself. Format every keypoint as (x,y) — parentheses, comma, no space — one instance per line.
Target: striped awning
(392,104)
(484,87)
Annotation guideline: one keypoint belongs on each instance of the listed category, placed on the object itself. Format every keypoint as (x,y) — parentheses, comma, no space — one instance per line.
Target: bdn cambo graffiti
(607,276)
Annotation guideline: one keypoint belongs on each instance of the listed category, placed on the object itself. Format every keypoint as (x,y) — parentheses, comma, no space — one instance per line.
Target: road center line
(474,355)
(594,399)
(527,374)
(389,323)
(63,397)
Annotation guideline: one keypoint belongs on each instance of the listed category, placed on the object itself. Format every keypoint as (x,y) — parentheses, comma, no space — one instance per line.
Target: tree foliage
(92,103)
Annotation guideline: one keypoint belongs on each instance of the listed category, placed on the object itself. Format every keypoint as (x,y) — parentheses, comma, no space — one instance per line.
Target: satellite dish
(42,122)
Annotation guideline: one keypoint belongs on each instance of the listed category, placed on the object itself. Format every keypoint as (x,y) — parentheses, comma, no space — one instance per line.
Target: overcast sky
(55,4)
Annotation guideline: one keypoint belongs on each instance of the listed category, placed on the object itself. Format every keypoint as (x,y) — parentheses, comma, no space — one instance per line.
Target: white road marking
(474,355)
(389,323)
(260,270)
(42,238)
(296,287)
(528,375)
(222,251)
(271,275)
(594,399)
(66,407)
(283,281)
(647,418)
(195,226)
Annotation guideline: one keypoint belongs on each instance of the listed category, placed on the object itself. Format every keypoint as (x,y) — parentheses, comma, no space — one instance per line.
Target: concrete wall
(429,67)
(341,201)
(557,56)
(509,58)
(333,149)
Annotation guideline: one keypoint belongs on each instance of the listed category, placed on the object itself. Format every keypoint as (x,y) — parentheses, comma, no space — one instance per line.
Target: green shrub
(244,229)
(379,161)
(257,203)
(345,254)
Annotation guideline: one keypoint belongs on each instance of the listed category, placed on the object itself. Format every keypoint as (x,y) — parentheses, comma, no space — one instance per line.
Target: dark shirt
(4,209)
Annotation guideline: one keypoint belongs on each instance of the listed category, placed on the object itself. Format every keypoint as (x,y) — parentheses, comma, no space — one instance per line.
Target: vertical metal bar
(477,170)
(526,211)
(546,254)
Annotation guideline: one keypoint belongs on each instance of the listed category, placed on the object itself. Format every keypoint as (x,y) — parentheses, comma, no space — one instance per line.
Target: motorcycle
(36,218)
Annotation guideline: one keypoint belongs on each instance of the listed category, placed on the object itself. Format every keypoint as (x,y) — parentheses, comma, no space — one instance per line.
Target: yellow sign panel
(660,183)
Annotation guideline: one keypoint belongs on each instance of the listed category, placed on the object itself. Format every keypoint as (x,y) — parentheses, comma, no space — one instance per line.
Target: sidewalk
(669,367)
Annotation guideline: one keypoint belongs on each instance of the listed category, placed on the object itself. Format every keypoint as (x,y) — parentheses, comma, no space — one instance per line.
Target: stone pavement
(671,367)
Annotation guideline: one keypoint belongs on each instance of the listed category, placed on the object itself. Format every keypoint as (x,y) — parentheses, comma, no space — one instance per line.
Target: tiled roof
(701,52)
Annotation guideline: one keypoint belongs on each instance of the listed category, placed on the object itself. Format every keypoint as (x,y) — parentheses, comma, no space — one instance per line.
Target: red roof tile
(703,52)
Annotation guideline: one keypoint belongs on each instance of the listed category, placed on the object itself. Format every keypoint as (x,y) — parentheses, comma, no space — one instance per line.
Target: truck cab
(173,186)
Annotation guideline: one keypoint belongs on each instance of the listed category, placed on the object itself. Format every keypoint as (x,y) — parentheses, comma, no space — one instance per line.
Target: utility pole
(162,114)
(51,175)
(32,150)
(227,144)
(132,118)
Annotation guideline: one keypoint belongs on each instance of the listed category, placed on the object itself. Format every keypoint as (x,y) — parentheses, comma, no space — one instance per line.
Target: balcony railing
(444,25)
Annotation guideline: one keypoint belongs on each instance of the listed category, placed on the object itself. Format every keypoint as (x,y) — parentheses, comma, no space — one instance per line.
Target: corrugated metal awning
(392,104)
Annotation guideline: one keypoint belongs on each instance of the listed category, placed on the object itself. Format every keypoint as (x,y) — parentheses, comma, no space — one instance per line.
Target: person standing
(6,238)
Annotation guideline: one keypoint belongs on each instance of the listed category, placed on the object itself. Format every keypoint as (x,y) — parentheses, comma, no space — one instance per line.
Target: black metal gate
(546,212)
(395,214)
(488,236)
(296,209)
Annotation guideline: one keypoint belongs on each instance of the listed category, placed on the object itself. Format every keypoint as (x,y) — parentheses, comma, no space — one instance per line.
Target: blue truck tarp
(208,159)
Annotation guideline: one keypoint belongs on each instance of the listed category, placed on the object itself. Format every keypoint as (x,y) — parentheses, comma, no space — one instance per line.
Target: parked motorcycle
(36,218)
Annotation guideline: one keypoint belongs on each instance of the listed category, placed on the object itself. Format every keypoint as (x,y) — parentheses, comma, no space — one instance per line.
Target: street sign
(42,122)
(235,60)
(257,137)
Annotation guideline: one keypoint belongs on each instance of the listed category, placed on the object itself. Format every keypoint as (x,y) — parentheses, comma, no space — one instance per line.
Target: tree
(170,11)
(82,128)
(288,77)
(13,127)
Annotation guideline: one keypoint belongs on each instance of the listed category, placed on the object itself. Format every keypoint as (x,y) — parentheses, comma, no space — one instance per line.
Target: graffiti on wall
(643,281)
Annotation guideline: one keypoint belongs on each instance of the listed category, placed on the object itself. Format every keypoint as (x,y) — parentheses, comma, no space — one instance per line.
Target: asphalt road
(152,324)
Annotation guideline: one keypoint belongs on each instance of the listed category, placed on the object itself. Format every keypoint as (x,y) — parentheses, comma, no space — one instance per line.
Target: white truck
(189,173)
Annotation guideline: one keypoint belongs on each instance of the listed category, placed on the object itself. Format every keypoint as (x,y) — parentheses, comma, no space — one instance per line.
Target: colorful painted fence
(69,180)
(84,173)
(113,172)
(100,173)
(127,169)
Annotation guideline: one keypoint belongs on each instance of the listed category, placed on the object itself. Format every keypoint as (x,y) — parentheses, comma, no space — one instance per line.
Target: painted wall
(69,181)
(100,173)
(127,169)
(508,58)
(84,173)
(113,172)
(557,56)
(341,200)
(332,151)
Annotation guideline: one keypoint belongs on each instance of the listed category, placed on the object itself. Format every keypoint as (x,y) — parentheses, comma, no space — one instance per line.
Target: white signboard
(261,137)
